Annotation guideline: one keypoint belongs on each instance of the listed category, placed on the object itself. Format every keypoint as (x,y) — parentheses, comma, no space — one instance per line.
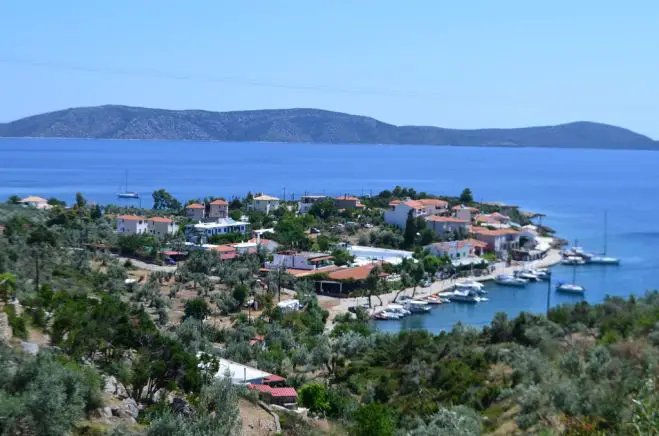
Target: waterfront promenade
(338,306)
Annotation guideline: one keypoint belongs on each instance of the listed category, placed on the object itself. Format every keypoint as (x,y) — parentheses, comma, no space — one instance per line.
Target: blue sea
(573,188)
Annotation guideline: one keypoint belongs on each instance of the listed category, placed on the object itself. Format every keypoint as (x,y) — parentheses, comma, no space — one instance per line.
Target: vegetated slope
(303,125)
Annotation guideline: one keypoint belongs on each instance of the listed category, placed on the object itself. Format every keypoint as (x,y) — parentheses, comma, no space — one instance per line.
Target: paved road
(148,266)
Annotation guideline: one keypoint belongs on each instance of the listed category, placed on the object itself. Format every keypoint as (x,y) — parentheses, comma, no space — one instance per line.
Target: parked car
(314,230)
(170,261)
(426,283)
(368,225)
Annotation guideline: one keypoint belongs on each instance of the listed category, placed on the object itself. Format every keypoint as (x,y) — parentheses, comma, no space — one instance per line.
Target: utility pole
(548,295)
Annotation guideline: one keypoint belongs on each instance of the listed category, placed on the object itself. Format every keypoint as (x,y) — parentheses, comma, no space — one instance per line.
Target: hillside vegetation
(304,125)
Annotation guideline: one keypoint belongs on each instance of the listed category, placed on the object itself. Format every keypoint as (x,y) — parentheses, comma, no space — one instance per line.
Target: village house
(445,225)
(434,206)
(201,231)
(344,280)
(34,201)
(132,224)
(300,261)
(499,241)
(457,250)
(196,211)
(264,203)
(463,212)
(347,202)
(218,209)
(399,211)
(306,201)
(161,226)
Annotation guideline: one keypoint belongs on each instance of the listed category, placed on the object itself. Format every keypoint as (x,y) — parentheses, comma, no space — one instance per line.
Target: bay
(574,187)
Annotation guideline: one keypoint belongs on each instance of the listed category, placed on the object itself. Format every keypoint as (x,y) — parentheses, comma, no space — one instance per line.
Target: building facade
(132,224)
(200,232)
(196,211)
(218,209)
(264,203)
(161,226)
(445,225)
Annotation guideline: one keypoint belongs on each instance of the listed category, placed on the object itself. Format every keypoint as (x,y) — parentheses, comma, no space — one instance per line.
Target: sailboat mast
(606,227)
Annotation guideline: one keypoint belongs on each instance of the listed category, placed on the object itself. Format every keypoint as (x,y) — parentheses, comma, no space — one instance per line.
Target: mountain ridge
(305,125)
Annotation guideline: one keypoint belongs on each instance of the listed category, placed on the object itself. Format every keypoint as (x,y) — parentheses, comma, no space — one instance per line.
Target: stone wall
(5,329)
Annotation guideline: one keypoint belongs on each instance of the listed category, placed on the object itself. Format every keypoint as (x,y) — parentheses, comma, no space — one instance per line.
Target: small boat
(542,273)
(573,260)
(570,288)
(510,280)
(418,306)
(433,299)
(472,283)
(385,315)
(478,288)
(398,309)
(527,275)
(465,297)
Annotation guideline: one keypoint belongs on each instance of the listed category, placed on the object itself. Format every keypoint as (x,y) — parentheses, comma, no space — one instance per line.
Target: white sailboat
(603,259)
(126,193)
(571,288)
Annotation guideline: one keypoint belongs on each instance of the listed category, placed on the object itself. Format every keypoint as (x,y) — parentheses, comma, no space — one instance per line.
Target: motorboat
(398,309)
(467,296)
(527,275)
(510,280)
(435,299)
(477,287)
(417,306)
(570,288)
(473,283)
(573,260)
(542,273)
(386,315)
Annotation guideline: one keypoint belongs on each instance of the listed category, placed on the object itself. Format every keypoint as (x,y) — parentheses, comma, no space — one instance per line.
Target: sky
(461,64)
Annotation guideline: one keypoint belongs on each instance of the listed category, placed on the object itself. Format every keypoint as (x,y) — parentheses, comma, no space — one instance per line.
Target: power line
(228,80)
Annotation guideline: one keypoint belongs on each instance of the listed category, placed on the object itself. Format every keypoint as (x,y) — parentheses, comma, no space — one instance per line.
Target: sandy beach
(337,306)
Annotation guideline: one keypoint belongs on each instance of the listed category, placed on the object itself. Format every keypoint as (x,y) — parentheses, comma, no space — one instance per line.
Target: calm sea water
(573,187)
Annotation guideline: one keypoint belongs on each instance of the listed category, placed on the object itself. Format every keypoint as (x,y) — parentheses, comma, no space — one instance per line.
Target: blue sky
(462,64)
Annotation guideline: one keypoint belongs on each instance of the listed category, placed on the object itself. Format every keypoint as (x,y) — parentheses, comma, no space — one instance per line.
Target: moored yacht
(510,280)
(467,296)
(570,288)
(417,306)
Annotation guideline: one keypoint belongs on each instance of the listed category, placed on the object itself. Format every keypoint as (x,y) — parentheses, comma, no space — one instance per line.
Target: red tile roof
(356,273)
(274,378)
(194,206)
(475,243)
(487,232)
(283,392)
(394,202)
(413,204)
(462,206)
(433,202)
(157,219)
(446,219)
(131,217)
(347,197)
(224,248)
(260,388)
(484,219)
(219,202)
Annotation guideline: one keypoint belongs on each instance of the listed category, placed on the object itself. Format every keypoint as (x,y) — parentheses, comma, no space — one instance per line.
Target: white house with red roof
(444,225)
(434,206)
(463,212)
(132,224)
(34,201)
(160,226)
(499,241)
(218,209)
(264,203)
(196,211)
(398,212)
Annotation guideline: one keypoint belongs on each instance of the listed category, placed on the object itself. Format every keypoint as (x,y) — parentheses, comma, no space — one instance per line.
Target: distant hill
(304,125)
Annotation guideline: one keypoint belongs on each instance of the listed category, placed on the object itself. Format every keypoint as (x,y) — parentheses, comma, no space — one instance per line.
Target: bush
(196,308)
(240,294)
(17,323)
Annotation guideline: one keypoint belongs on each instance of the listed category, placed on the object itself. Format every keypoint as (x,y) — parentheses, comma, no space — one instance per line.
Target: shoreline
(339,306)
